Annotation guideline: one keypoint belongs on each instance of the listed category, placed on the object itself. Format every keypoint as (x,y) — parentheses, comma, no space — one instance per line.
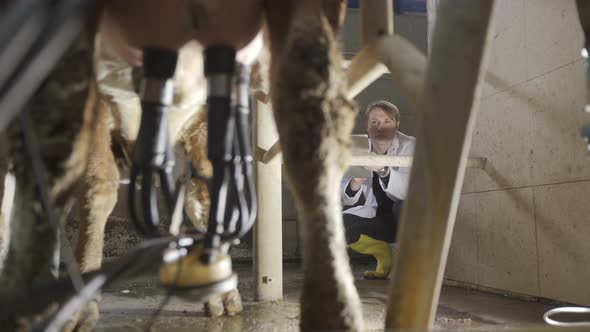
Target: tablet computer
(360,145)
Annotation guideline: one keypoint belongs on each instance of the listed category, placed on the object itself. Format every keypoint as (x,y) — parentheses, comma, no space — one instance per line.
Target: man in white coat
(372,205)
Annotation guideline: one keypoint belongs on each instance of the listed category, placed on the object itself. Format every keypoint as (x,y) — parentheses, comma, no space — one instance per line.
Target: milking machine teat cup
(196,265)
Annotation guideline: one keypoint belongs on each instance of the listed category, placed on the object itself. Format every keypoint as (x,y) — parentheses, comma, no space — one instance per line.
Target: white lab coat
(397,188)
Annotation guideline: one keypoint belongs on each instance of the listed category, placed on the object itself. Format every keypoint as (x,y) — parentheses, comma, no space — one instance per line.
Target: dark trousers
(381,227)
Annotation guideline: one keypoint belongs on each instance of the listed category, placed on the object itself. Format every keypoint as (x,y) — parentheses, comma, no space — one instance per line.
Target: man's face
(381,126)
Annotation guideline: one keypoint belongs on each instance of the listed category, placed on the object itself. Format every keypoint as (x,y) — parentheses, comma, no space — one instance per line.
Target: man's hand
(381,171)
(356,183)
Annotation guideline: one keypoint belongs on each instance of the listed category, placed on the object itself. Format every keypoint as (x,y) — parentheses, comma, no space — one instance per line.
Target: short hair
(386,106)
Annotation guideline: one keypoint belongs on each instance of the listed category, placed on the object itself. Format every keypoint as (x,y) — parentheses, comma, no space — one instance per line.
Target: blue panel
(353,3)
(399,6)
(409,6)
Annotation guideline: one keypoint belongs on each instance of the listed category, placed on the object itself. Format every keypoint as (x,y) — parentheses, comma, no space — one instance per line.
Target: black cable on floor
(158,311)
(168,295)
(141,259)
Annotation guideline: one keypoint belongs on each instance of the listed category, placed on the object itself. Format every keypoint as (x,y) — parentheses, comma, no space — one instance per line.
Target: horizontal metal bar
(262,96)
(372,160)
(266,156)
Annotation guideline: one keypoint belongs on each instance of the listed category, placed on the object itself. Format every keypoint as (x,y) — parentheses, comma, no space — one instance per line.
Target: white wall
(524,223)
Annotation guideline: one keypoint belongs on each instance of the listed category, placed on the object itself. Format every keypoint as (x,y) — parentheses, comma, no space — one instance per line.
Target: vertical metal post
(444,131)
(268,239)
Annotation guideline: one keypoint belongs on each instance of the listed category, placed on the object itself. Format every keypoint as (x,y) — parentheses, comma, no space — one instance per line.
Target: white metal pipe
(369,160)
(383,51)
(268,239)
(363,70)
(407,65)
(261,96)
(376,19)
(390,53)
(272,152)
(451,97)
(366,67)
(372,160)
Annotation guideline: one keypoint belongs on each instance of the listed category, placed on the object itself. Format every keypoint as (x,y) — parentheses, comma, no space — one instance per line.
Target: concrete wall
(522,224)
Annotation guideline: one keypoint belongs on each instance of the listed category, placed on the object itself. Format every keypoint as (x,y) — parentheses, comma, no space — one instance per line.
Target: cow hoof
(214,306)
(84,320)
(232,301)
(229,302)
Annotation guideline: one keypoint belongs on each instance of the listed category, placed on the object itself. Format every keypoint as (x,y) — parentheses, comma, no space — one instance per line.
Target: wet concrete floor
(129,305)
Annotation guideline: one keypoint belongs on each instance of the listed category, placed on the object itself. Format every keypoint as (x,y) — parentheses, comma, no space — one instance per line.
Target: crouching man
(372,205)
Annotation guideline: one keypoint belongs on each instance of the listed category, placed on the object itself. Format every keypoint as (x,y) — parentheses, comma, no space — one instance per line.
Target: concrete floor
(128,306)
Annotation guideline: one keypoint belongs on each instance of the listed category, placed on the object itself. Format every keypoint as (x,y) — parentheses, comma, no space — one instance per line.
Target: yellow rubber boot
(191,272)
(380,250)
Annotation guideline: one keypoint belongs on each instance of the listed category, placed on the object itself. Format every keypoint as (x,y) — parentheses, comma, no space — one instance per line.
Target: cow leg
(314,121)
(61,126)
(98,194)
(97,199)
(194,140)
(197,204)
